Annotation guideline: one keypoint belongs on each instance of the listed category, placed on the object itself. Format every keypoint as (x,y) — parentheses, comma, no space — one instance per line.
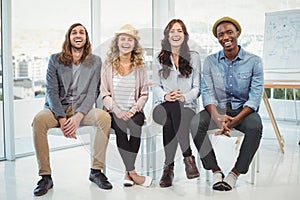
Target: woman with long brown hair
(176,84)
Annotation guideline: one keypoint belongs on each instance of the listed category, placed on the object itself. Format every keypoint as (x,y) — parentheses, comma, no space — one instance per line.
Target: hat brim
(127,33)
(225,19)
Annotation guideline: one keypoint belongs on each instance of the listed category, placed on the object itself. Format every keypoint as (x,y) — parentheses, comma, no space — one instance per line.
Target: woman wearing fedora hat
(176,81)
(124,92)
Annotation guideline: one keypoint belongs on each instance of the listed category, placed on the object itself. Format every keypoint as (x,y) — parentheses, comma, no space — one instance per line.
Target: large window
(39,27)
(38,30)
(115,14)
(200,16)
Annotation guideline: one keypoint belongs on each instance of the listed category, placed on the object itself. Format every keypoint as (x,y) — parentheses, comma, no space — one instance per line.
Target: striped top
(124,90)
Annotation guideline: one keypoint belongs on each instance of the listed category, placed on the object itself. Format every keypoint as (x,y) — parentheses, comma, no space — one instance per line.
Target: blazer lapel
(66,73)
(84,77)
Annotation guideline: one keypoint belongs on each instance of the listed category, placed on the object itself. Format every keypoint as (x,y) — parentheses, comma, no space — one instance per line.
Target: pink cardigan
(106,89)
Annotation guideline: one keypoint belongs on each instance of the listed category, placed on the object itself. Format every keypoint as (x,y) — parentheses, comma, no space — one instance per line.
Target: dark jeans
(251,126)
(176,127)
(128,147)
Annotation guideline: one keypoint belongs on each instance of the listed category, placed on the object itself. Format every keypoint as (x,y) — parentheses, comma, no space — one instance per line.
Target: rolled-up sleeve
(257,85)
(207,85)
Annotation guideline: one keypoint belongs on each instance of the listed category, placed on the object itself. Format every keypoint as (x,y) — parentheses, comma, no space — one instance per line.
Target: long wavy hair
(164,56)
(66,54)
(136,59)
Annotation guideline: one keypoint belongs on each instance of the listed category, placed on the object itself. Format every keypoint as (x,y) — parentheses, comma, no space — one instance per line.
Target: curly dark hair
(185,68)
(66,54)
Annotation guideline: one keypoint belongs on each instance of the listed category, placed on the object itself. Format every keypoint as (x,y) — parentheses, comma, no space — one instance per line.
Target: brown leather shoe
(167,177)
(190,167)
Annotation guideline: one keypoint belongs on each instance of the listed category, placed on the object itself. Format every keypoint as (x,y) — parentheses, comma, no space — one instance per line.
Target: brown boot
(167,177)
(190,167)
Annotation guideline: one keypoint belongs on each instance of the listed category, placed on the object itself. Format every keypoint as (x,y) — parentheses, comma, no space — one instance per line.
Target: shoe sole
(165,186)
(147,182)
(128,183)
(38,195)
(104,188)
(193,176)
(218,186)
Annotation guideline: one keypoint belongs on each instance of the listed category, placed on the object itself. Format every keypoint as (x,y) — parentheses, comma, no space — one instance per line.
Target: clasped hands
(70,125)
(125,115)
(225,123)
(174,95)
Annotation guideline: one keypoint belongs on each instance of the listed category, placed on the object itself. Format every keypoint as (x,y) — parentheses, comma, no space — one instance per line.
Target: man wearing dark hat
(231,88)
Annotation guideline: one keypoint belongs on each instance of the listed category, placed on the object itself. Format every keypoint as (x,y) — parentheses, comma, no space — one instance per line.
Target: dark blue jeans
(251,126)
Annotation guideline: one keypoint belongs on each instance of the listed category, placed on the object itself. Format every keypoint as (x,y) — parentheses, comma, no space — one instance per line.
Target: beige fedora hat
(129,30)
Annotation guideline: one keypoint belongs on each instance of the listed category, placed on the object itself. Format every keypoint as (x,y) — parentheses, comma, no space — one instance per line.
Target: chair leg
(148,156)
(151,155)
(153,142)
(257,161)
(254,167)
(253,171)
(143,153)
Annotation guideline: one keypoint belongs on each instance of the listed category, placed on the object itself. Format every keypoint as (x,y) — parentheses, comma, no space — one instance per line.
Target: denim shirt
(190,86)
(240,82)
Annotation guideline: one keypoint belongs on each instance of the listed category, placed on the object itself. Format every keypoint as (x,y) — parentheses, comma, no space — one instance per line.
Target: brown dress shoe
(190,167)
(167,177)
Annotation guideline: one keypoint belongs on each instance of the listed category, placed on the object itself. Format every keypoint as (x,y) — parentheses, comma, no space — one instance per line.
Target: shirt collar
(172,61)
(240,55)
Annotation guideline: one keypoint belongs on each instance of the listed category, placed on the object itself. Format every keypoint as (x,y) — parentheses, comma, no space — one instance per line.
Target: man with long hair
(73,85)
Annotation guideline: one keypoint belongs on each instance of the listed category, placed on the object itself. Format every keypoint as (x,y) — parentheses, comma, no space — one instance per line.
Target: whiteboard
(281,49)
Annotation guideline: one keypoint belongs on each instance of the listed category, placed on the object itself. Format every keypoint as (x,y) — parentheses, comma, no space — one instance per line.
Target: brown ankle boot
(167,177)
(190,167)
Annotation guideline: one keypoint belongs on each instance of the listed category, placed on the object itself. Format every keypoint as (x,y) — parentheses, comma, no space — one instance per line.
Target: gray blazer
(58,81)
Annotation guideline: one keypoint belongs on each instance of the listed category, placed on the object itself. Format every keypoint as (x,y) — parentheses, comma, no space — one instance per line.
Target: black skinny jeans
(128,148)
(251,126)
(176,128)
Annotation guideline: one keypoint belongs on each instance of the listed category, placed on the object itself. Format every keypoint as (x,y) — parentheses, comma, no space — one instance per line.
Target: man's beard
(77,48)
